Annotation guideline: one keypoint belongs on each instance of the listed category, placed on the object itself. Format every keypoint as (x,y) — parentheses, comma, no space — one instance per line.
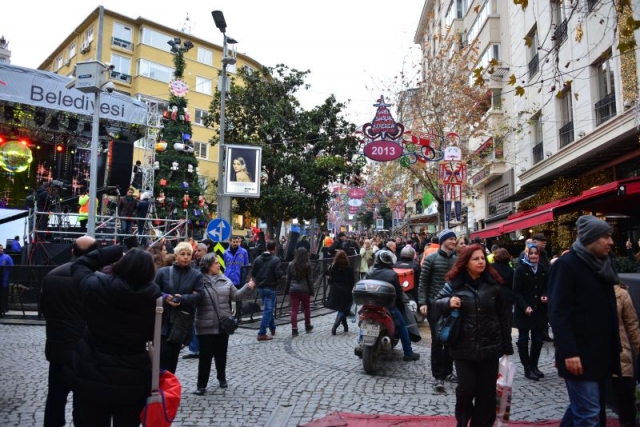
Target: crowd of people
(594,323)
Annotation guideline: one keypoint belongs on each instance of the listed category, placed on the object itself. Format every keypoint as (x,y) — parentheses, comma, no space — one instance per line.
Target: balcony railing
(566,134)
(605,108)
(121,43)
(560,34)
(591,4)
(533,66)
(538,152)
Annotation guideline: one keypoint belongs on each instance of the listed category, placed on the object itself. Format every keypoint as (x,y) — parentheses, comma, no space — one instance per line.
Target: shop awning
(488,232)
(620,197)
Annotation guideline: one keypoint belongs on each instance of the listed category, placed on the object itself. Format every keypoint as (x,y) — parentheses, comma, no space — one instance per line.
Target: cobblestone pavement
(283,382)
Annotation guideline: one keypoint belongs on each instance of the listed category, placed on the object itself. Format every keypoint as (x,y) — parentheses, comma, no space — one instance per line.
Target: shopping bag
(504,385)
(162,406)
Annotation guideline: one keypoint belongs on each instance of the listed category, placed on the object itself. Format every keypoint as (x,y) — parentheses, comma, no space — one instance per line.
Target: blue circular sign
(219,230)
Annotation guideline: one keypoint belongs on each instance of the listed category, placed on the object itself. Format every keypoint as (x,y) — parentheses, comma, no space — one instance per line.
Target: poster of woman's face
(243,165)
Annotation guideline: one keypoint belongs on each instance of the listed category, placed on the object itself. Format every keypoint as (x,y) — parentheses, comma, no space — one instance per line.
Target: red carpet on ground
(342,419)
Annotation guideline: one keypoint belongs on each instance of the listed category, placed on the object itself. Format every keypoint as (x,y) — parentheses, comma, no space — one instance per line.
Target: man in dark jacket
(383,270)
(127,207)
(266,272)
(339,243)
(582,311)
(434,267)
(407,260)
(62,308)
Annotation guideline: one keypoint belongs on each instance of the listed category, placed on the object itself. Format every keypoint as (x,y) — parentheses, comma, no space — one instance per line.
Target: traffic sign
(219,230)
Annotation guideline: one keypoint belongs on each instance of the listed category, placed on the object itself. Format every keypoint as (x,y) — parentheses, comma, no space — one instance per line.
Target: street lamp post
(224,202)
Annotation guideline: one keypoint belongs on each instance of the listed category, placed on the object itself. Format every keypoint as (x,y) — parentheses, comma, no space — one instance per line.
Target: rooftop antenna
(3,43)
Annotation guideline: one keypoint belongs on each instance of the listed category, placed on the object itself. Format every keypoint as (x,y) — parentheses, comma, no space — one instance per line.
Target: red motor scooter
(377,330)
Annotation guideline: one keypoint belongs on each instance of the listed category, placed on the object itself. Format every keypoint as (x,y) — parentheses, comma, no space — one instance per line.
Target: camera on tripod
(60,184)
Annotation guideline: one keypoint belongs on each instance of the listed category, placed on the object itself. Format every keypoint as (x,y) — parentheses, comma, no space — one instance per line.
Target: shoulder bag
(181,321)
(449,325)
(227,324)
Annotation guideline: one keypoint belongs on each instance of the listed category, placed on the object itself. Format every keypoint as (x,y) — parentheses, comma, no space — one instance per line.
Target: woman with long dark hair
(111,373)
(530,315)
(300,289)
(341,283)
(484,334)
(219,291)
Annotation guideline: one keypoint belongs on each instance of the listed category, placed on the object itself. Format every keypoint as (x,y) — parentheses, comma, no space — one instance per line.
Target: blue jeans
(402,331)
(584,404)
(194,345)
(125,227)
(269,305)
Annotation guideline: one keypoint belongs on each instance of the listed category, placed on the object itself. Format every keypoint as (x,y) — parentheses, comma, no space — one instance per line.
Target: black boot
(523,352)
(534,356)
(335,325)
(344,323)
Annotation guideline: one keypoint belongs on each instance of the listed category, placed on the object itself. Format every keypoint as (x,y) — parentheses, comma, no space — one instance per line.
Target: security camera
(110,66)
(109,87)
(71,84)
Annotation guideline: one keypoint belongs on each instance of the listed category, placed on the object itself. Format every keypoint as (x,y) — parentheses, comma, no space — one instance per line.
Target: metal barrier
(25,286)
(320,284)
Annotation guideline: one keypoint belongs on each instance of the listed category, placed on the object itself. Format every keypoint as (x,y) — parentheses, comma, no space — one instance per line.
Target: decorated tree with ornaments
(176,186)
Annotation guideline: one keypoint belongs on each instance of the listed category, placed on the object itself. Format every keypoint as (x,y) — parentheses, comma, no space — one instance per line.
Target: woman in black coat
(484,335)
(111,371)
(182,290)
(502,265)
(341,281)
(530,315)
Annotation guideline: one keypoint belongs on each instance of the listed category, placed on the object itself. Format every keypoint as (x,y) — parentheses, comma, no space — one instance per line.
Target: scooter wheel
(370,359)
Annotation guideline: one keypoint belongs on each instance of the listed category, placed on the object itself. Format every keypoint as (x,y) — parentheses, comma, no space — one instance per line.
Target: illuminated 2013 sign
(382,151)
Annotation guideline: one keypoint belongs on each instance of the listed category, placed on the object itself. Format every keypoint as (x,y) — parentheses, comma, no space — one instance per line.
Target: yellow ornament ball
(15,156)
(161,146)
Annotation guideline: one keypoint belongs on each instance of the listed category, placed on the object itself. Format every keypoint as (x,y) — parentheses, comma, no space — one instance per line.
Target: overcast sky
(353,48)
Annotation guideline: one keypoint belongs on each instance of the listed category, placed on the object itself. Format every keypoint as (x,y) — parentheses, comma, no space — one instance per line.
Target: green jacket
(435,266)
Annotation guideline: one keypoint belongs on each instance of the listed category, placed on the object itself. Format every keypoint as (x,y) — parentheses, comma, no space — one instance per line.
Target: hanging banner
(384,134)
(48,90)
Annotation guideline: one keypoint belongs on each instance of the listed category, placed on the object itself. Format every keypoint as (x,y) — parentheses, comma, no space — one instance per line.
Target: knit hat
(591,229)
(445,234)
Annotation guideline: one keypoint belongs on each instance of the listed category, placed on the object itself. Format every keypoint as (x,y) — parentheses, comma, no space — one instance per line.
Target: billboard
(243,165)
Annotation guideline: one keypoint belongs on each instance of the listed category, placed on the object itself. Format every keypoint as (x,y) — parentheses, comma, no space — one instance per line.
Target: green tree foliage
(179,182)
(302,151)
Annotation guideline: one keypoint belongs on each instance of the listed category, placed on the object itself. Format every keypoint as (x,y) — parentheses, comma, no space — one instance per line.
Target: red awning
(614,197)
(488,232)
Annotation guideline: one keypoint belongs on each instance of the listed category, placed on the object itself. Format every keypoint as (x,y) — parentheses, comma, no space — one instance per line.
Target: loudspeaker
(50,253)
(291,246)
(121,165)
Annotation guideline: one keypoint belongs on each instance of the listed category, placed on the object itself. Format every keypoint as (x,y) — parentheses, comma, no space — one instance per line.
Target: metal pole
(93,173)
(223,201)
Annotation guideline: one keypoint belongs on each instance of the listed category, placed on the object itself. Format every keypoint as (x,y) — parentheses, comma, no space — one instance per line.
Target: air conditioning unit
(85,47)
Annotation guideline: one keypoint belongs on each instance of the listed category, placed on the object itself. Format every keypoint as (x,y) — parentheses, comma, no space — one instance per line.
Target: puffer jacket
(223,290)
(434,267)
(485,332)
(187,282)
(629,330)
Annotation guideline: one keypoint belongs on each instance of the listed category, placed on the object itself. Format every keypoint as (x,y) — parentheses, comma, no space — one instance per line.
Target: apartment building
(142,59)
(572,104)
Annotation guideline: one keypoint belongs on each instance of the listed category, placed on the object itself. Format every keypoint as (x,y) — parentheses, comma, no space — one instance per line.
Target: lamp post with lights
(224,202)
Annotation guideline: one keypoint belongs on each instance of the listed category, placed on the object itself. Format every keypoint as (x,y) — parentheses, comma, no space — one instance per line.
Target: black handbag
(449,325)
(227,324)
(181,322)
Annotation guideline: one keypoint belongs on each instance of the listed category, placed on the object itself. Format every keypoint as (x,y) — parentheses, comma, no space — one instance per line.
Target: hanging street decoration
(178,88)
(383,134)
(15,156)
(452,175)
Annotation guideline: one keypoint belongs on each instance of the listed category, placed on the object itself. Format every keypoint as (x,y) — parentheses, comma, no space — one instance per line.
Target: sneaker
(294,332)
(308,328)
(439,386)
(452,378)
(411,357)
(273,331)
(264,337)
(191,356)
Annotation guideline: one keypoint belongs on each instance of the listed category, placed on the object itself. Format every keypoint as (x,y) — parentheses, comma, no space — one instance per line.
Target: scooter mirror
(405,284)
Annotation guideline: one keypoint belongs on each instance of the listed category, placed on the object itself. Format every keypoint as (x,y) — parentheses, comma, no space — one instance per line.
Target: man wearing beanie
(583,315)
(434,267)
